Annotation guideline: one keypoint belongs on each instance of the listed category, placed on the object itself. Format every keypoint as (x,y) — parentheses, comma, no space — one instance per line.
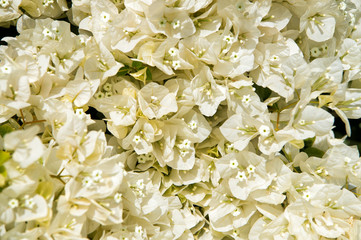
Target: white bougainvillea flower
(143,133)
(319,27)
(27,146)
(239,129)
(249,175)
(173,22)
(206,92)
(312,121)
(150,119)
(156,101)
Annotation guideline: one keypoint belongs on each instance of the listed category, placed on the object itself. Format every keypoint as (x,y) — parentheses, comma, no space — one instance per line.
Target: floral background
(180,119)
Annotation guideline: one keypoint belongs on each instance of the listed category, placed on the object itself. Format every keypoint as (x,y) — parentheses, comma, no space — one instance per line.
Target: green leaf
(3,175)
(149,75)
(309,142)
(182,198)
(45,189)
(4,156)
(5,128)
(137,65)
(123,71)
(262,92)
(314,152)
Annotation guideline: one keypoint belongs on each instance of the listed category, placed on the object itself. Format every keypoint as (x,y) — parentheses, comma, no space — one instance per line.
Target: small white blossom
(302,122)
(6,69)
(176,64)
(173,52)
(246,100)
(80,112)
(97,175)
(136,139)
(87,182)
(175,24)
(105,17)
(139,230)
(228,39)
(140,184)
(193,125)
(241,176)
(306,195)
(234,57)
(13,203)
(233,164)
(48,33)
(264,130)
(236,212)
(29,202)
(118,197)
(153,98)
(47,2)
(4,3)
(251,169)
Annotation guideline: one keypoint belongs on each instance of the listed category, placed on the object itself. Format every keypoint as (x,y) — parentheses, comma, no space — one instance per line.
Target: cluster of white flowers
(179,119)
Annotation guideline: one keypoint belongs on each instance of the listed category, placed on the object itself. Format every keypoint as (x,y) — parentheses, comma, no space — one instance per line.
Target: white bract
(180,119)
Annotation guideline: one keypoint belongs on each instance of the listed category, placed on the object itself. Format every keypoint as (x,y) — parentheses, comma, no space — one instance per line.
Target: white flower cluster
(179,119)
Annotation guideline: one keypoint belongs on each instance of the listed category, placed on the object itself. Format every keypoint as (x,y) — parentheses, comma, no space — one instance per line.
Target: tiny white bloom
(306,195)
(176,64)
(87,181)
(234,57)
(48,33)
(140,184)
(274,59)
(183,152)
(186,144)
(153,98)
(6,69)
(97,175)
(173,51)
(139,230)
(246,100)
(47,2)
(302,122)
(342,6)
(176,24)
(228,39)
(4,3)
(241,176)
(13,203)
(29,202)
(251,169)
(230,147)
(136,139)
(118,197)
(264,130)
(79,112)
(236,212)
(193,125)
(233,164)
(105,17)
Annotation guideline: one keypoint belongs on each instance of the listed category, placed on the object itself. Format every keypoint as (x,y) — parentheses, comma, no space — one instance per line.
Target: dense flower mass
(179,119)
